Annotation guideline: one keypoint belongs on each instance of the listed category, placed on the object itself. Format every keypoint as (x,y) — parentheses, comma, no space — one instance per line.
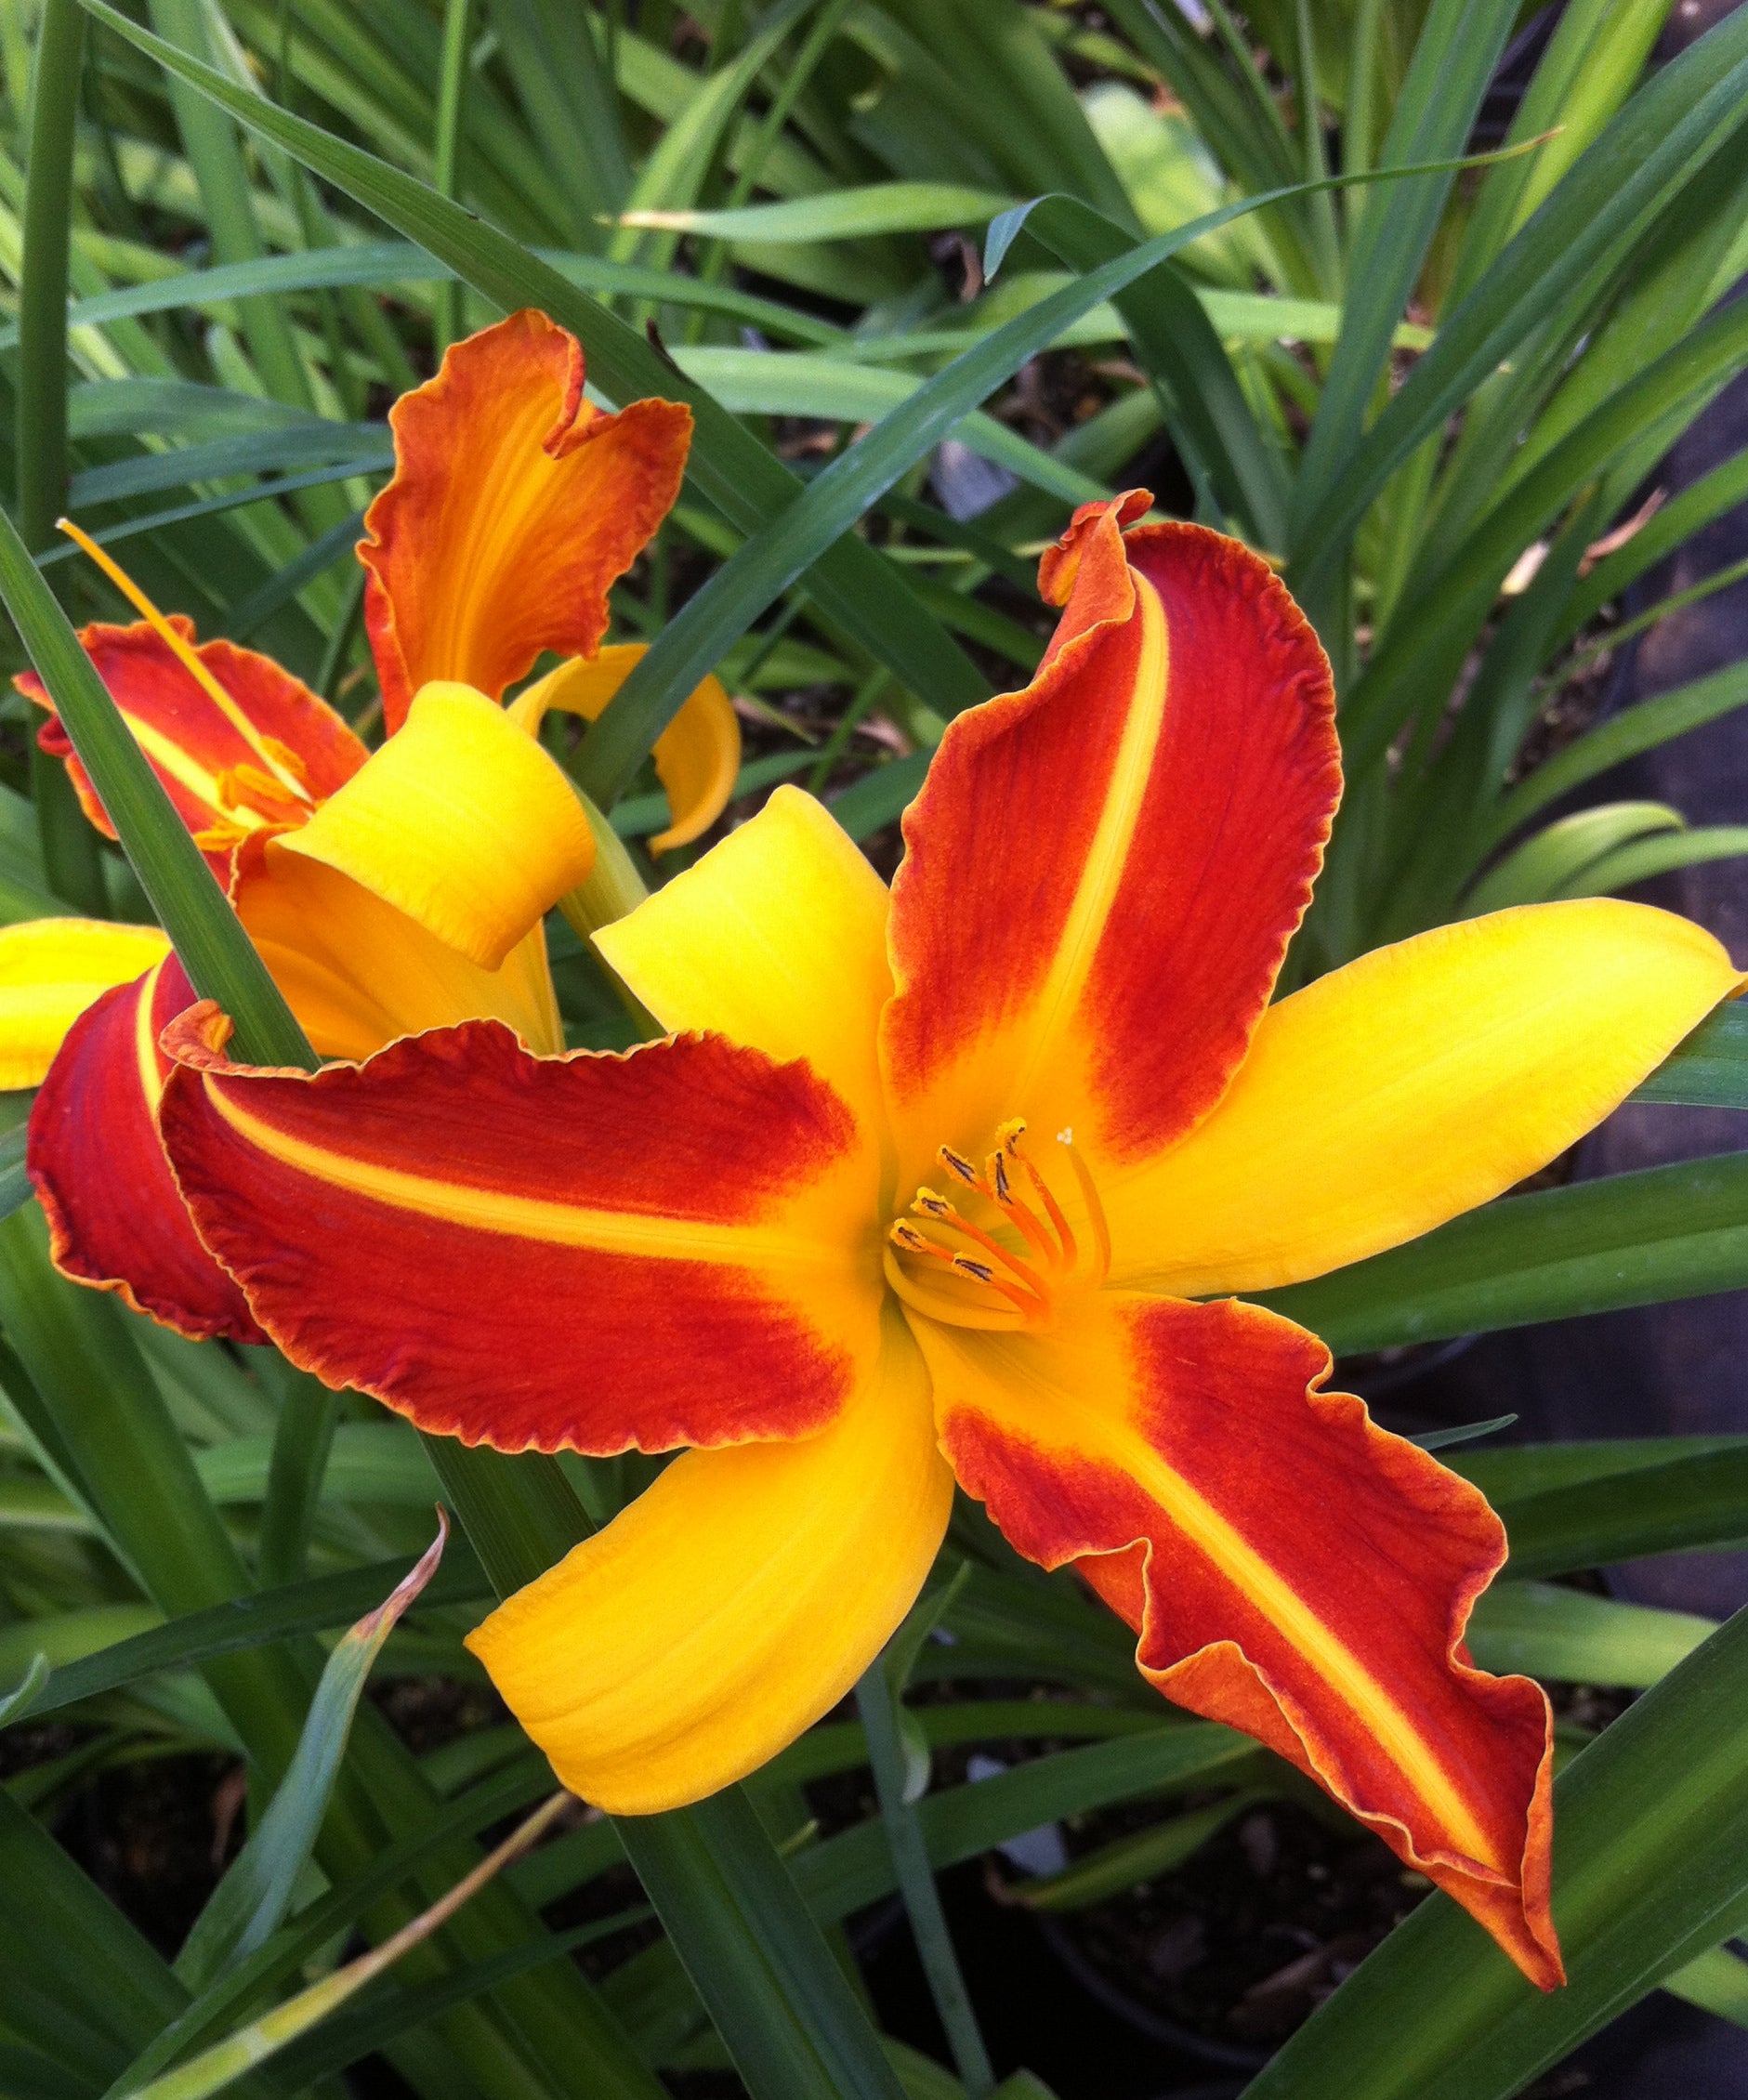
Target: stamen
(930,1205)
(1095,1209)
(1008,1136)
(1024,1216)
(956,1163)
(911,1241)
(980,1272)
(184,653)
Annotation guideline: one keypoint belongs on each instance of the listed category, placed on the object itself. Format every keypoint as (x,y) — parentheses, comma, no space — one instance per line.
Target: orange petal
(515,504)
(115,1220)
(697,756)
(224,777)
(1290,1567)
(590,1251)
(1103,870)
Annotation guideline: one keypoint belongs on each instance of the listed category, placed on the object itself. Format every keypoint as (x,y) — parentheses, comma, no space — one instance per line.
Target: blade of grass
(853,585)
(1628,1239)
(71,859)
(446,324)
(243,1910)
(876,1702)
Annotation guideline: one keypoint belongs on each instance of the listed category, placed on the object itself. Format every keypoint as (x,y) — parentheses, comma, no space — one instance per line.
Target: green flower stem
(878,1707)
(71,858)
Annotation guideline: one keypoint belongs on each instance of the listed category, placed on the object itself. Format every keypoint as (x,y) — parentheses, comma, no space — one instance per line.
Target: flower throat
(989,1283)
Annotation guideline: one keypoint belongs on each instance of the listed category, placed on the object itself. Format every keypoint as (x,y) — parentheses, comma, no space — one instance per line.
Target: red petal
(593,1251)
(1291,1568)
(1104,870)
(188,741)
(114,1217)
(514,504)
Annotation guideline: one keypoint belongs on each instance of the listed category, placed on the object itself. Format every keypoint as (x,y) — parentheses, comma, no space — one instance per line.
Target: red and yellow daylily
(390,892)
(961,1181)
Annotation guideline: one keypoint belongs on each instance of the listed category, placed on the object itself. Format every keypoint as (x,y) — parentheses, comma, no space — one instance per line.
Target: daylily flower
(391,891)
(961,1181)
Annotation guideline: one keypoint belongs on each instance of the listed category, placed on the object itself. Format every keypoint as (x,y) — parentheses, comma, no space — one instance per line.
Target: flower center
(1004,1265)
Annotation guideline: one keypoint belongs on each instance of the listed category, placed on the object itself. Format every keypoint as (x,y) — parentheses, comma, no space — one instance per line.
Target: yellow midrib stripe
(528,1218)
(146,1041)
(1102,870)
(1333,1660)
(170,757)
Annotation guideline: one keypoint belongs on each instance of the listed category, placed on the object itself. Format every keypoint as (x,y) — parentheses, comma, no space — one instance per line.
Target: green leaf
(70,851)
(1650,1868)
(1697,1501)
(253,1897)
(1543,865)
(1669,129)
(791,2022)
(839,215)
(853,585)
(1454,57)
(1628,1239)
(248,1621)
(18,1703)
(1639,728)
(1646,858)
(1176,342)
(1113,1869)
(1710,1069)
(1718,1983)
(1545,1630)
(1439,621)
(854,1868)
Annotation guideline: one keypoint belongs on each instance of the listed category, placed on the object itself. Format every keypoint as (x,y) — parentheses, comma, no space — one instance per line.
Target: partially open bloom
(391,891)
(961,1181)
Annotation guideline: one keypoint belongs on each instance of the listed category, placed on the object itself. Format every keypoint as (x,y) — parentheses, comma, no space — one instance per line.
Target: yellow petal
(360,974)
(697,755)
(461,821)
(51,971)
(731,1605)
(777,939)
(1410,1086)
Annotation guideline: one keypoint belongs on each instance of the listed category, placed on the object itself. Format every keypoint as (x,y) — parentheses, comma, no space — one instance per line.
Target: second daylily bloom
(938,1183)
(389,892)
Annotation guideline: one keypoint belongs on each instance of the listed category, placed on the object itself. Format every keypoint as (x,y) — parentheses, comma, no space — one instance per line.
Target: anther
(958,1166)
(931,1205)
(1009,1135)
(1031,1228)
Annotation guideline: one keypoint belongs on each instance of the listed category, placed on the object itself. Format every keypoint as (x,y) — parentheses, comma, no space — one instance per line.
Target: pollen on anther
(980,1271)
(931,1205)
(956,1163)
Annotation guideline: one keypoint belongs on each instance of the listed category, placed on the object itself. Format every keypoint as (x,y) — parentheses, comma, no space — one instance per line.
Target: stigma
(999,1248)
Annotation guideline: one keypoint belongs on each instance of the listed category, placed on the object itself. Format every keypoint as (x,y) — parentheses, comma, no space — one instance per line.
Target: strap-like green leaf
(864,594)
(1669,129)
(1650,1868)
(1629,1240)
